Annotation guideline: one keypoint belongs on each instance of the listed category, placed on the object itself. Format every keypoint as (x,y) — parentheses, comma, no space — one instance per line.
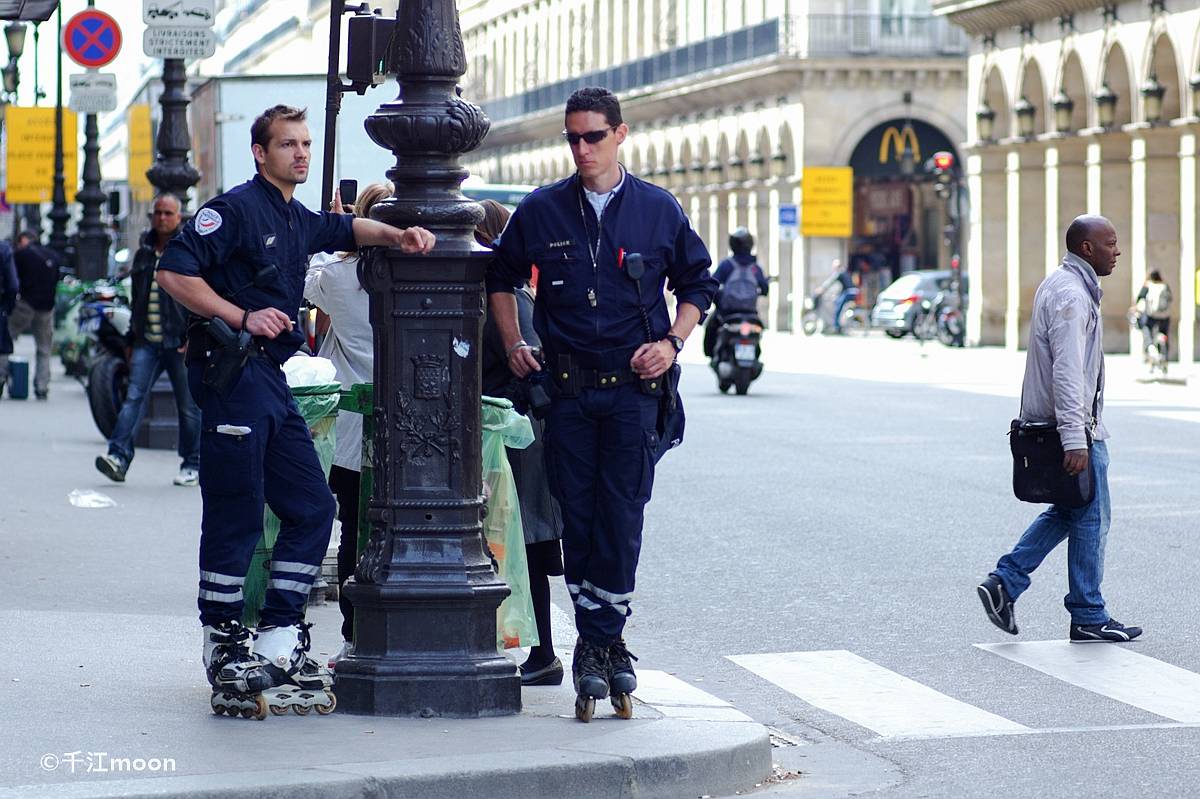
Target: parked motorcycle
(98,355)
(737,353)
(941,318)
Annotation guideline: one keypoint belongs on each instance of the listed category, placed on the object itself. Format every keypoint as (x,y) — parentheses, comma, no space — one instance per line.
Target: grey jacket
(1065,362)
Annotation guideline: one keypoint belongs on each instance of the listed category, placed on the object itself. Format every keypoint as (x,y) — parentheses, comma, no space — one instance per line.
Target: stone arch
(722,160)
(1032,90)
(760,156)
(651,164)
(952,126)
(995,96)
(684,166)
(666,167)
(1163,65)
(1073,83)
(739,159)
(784,158)
(635,158)
(1116,76)
(703,158)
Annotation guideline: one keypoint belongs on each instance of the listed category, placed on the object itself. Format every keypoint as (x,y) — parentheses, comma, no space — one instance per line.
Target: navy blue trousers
(275,462)
(600,449)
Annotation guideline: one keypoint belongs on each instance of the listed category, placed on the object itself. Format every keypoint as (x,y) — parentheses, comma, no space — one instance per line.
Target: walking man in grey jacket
(1064,383)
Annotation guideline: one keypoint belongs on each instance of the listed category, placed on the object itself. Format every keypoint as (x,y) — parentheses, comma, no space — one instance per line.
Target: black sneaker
(997,605)
(1111,630)
(111,467)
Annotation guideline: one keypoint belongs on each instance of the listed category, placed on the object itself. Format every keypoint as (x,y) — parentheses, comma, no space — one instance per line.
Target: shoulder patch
(207,221)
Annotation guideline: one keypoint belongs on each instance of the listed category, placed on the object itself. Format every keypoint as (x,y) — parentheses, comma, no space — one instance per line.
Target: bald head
(1094,239)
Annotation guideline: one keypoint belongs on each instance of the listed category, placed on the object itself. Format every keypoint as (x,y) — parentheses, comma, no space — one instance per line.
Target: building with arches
(728,101)
(1080,106)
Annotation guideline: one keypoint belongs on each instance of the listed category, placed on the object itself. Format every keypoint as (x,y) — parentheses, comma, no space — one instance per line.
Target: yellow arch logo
(898,139)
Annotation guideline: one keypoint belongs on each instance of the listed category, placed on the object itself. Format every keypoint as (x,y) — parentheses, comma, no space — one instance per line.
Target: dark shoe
(621,678)
(111,467)
(550,674)
(997,605)
(42,395)
(1111,630)
(589,669)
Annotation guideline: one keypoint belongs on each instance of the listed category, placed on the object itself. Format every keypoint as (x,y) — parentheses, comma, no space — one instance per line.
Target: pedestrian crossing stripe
(1113,671)
(871,696)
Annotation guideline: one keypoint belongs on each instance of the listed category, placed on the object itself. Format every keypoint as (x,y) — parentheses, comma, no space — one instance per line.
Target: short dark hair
(260,130)
(1156,275)
(168,195)
(495,217)
(598,99)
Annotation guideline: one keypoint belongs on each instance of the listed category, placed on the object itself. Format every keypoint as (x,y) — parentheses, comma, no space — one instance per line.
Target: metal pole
(333,100)
(92,239)
(171,171)
(424,593)
(58,211)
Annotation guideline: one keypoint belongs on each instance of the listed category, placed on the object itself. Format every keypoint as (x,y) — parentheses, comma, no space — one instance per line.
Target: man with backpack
(1154,304)
(742,281)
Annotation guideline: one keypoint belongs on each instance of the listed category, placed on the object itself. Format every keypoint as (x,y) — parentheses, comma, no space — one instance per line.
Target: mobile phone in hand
(349,191)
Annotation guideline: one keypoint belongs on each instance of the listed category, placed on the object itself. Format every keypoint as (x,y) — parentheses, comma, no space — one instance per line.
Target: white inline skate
(299,682)
(237,677)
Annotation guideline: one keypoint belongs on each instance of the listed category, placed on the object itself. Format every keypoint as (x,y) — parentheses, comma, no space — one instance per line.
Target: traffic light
(941,166)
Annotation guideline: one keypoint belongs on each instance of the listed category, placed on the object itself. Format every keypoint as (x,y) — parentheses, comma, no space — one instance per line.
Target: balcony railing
(895,36)
(816,35)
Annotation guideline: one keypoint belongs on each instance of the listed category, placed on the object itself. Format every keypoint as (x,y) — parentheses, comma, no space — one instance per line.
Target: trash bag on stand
(318,405)
(502,529)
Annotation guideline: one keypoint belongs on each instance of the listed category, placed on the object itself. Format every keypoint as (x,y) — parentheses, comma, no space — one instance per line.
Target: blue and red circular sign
(92,38)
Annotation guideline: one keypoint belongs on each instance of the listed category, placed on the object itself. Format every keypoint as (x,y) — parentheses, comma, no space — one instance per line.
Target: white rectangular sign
(179,42)
(93,92)
(179,13)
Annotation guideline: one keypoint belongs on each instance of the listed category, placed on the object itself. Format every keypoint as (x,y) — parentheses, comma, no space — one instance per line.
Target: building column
(1155,236)
(1025,239)
(1186,293)
(1110,193)
(987,259)
(774,250)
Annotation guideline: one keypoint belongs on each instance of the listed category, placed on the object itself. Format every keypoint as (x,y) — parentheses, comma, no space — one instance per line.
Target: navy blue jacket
(248,227)
(548,230)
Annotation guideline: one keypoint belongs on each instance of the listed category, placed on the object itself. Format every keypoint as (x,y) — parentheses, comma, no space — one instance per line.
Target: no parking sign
(92,38)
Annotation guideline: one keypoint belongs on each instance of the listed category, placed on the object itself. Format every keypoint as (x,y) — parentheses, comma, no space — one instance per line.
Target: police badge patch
(207,221)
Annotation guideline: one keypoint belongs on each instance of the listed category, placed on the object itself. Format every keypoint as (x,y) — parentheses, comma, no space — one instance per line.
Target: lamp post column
(425,593)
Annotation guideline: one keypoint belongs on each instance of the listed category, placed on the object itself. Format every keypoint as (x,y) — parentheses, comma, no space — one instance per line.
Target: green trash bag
(318,406)
(502,529)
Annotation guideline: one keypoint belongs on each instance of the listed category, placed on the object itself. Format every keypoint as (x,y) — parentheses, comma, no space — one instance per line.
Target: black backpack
(740,292)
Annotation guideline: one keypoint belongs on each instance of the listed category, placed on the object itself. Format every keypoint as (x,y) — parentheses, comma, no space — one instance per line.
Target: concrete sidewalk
(102,669)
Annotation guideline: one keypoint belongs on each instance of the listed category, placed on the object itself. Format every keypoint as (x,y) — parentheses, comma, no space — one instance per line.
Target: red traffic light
(943,161)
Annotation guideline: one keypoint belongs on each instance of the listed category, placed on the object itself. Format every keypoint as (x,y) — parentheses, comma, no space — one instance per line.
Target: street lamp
(1026,112)
(1152,97)
(11,77)
(14,34)
(985,118)
(1106,105)
(1195,84)
(1063,107)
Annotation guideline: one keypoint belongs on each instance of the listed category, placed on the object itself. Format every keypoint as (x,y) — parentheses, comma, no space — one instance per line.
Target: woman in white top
(332,286)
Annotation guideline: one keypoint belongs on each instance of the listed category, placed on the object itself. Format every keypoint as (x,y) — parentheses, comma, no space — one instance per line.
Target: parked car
(898,306)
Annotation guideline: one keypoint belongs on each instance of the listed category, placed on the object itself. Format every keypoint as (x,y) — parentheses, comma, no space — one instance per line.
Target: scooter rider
(747,276)
(241,264)
(606,351)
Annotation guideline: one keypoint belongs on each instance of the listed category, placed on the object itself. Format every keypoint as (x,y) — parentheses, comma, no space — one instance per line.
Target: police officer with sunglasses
(606,244)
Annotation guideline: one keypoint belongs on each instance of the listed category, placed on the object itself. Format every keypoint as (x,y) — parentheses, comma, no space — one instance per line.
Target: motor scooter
(737,354)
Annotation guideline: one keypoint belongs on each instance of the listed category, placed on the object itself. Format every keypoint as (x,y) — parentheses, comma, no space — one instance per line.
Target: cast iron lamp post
(425,593)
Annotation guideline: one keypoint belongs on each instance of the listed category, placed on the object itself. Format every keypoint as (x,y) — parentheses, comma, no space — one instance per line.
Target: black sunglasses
(591,137)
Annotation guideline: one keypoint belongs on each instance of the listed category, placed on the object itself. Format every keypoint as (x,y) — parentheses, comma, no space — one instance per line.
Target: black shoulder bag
(666,387)
(1038,474)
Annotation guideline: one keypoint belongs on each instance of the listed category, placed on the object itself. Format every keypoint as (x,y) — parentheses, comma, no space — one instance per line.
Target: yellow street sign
(30,154)
(141,152)
(827,207)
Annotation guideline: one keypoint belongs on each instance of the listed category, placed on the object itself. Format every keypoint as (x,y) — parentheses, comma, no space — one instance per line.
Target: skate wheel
(325,710)
(300,710)
(218,709)
(279,710)
(260,711)
(623,705)
(584,708)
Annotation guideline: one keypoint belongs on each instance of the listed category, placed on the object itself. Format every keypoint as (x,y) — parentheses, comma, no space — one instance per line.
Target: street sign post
(179,13)
(789,222)
(92,38)
(93,92)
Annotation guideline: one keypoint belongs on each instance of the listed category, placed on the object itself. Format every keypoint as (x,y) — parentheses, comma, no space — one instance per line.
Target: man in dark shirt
(37,273)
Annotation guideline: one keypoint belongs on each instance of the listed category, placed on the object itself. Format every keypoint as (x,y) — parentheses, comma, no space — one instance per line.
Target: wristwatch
(676,342)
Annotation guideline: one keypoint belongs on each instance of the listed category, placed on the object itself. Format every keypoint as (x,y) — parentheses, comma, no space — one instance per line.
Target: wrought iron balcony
(891,36)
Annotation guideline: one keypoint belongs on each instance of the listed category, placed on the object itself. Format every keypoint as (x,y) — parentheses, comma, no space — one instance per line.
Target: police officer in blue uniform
(241,264)
(605,244)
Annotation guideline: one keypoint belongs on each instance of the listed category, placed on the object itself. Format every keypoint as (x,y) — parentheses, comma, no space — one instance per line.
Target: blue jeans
(146,363)
(839,305)
(1086,531)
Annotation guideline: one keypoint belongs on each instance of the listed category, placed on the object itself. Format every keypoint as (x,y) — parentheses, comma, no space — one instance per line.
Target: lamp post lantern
(985,118)
(1152,98)
(1106,106)
(424,592)
(1064,106)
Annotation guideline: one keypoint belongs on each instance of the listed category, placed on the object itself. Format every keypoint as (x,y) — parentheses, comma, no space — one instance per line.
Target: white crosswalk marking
(1112,671)
(675,698)
(871,696)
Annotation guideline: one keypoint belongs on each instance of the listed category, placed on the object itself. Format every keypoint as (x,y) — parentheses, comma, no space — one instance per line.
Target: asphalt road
(824,514)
